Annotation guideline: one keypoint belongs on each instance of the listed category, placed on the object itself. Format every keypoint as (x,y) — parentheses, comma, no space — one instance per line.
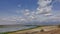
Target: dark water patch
(14,28)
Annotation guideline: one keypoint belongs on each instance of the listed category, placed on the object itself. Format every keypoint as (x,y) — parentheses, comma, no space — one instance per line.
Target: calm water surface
(14,28)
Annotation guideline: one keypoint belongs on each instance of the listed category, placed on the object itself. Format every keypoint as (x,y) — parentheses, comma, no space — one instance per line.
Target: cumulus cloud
(44,3)
(42,13)
(44,7)
(12,20)
(26,12)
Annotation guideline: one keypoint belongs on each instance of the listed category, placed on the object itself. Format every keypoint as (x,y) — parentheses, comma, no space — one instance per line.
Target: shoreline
(35,29)
(21,30)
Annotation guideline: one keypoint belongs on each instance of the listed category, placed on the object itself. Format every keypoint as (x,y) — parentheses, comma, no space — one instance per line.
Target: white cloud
(12,20)
(44,7)
(44,3)
(42,11)
(26,10)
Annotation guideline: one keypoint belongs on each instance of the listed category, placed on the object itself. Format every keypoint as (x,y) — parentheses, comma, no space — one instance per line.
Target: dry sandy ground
(56,31)
(47,30)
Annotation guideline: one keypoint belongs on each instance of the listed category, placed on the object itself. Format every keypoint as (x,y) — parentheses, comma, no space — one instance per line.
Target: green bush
(58,26)
(42,30)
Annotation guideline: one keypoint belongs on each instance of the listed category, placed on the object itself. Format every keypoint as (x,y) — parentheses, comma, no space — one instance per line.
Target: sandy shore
(35,30)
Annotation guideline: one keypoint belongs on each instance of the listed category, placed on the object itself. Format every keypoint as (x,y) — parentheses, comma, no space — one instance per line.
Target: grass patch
(1,26)
(4,33)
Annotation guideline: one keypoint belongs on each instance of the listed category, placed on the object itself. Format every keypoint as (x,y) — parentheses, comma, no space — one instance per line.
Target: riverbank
(20,30)
(34,30)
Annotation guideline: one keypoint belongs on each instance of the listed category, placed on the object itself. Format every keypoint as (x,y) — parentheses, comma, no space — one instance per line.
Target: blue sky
(25,11)
(10,6)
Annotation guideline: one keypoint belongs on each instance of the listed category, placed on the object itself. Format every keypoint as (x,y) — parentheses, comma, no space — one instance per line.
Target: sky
(29,11)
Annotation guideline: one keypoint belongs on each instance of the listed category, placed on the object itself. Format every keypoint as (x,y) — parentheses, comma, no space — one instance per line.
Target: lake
(14,28)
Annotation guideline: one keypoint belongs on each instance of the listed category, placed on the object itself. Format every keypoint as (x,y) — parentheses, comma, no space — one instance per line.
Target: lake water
(14,28)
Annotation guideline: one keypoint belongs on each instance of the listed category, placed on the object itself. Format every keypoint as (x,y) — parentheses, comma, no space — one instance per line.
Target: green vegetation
(1,26)
(58,26)
(42,30)
(4,33)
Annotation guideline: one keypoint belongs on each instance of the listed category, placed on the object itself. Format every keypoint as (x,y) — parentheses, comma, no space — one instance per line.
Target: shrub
(58,26)
(42,30)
